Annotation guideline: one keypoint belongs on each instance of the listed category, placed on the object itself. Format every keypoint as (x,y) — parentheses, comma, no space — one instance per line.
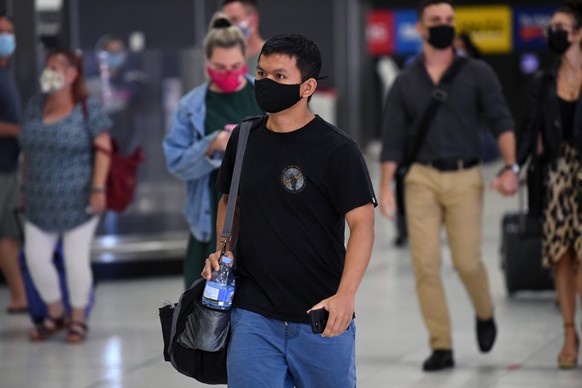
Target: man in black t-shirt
(9,128)
(301,180)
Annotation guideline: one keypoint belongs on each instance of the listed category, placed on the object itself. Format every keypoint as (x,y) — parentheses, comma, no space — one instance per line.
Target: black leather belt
(452,164)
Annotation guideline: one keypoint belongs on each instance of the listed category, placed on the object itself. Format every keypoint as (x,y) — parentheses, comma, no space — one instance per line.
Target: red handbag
(122,179)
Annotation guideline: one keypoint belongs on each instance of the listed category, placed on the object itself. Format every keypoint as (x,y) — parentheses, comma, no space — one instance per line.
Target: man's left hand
(506,184)
(341,313)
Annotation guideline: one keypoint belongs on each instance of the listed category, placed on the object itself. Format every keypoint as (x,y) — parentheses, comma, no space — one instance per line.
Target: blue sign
(529,25)
(408,40)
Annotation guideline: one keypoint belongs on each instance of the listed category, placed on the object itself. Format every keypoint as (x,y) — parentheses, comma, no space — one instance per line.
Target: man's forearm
(388,169)
(9,129)
(506,142)
(359,250)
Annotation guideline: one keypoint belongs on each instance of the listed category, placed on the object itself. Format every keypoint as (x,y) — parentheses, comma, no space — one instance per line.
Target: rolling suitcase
(521,254)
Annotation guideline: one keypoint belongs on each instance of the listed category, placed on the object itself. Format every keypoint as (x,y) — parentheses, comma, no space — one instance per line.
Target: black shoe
(439,359)
(486,333)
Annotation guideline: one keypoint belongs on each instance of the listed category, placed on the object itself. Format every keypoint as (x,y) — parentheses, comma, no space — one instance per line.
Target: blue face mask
(115,60)
(7,44)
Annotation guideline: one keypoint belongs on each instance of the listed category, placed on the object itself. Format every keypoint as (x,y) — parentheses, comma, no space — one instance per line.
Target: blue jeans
(269,353)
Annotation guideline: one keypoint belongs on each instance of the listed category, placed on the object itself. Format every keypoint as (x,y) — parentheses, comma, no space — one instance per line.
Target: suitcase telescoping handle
(521,202)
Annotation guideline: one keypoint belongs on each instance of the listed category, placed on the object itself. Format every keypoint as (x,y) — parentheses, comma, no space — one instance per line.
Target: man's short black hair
(303,49)
(426,3)
(246,3)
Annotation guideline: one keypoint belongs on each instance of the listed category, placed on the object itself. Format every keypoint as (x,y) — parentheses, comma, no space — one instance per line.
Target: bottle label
(216,294)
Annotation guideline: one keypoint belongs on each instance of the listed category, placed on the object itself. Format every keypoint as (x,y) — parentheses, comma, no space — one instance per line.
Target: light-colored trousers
(39,246)
(455,199)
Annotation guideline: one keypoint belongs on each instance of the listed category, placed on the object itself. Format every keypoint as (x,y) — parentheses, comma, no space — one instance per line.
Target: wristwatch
(513,167)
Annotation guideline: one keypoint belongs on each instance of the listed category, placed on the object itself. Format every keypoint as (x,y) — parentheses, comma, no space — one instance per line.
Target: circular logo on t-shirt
(293,179)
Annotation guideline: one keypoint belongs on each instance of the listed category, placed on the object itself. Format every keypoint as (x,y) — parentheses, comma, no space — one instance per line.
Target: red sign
(380,33)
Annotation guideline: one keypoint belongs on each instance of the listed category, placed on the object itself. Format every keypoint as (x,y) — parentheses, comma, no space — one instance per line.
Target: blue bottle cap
(226,260)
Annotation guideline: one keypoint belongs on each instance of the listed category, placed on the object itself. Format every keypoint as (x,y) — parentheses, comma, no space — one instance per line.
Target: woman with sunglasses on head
(200,129)
(553,130)
(64,189)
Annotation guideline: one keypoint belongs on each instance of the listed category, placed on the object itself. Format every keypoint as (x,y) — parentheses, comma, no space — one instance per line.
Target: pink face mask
(227,80)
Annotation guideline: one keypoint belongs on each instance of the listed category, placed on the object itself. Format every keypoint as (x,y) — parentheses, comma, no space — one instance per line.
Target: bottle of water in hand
(219,290)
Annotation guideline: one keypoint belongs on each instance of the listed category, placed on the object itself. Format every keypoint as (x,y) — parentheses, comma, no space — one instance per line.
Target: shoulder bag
(439,96)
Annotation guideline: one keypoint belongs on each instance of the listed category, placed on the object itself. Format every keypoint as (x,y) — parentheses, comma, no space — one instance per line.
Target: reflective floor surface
(124,347)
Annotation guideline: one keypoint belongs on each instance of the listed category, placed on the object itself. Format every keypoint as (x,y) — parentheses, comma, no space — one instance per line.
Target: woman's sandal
(568,361)
(77,332)
(47,328)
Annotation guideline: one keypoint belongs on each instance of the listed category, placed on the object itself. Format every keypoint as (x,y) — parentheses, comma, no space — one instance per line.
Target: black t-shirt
(9,112)
(295,190)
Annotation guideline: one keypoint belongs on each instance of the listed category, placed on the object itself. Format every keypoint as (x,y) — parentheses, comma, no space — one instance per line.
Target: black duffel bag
(196,337)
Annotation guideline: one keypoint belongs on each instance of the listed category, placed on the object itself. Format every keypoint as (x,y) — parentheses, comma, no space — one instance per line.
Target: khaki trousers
(455,199)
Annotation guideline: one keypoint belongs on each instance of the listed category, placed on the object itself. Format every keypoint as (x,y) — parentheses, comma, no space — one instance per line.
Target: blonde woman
(195,143)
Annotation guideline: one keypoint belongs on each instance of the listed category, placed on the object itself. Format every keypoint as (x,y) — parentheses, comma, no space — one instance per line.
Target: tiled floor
(124,345)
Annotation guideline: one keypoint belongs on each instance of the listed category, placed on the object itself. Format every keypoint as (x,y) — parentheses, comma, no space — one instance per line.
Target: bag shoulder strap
(540,105)
(84,108)
(85,118)
(439,96)
(245,129)
(534,160)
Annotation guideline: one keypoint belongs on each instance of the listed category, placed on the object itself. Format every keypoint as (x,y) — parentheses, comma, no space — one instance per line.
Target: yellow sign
(490,27)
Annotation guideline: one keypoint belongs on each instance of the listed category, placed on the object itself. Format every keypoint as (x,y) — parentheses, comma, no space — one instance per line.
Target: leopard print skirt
(562,223)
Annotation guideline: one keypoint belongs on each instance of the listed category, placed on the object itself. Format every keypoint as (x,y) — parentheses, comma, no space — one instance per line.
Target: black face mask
(558,41)
(441,37)
(274,97)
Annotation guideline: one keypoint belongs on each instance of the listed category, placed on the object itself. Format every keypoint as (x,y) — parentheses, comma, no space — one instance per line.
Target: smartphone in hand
(318,320)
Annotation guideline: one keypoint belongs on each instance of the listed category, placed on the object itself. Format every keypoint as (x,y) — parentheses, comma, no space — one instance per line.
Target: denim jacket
(185,147)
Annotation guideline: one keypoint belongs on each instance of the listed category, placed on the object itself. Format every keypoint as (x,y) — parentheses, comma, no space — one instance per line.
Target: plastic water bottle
(219,290)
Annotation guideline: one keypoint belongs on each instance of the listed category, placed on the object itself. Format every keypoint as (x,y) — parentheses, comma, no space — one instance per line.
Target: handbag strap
(439,96)
(85,119)
(245,129)
(539,117)
(533,151)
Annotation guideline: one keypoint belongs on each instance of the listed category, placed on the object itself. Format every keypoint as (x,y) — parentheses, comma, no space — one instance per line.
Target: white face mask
(51,81)
(245,27)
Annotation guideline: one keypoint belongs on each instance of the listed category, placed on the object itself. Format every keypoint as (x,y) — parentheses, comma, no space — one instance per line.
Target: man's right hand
(213,263)
(388,203)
